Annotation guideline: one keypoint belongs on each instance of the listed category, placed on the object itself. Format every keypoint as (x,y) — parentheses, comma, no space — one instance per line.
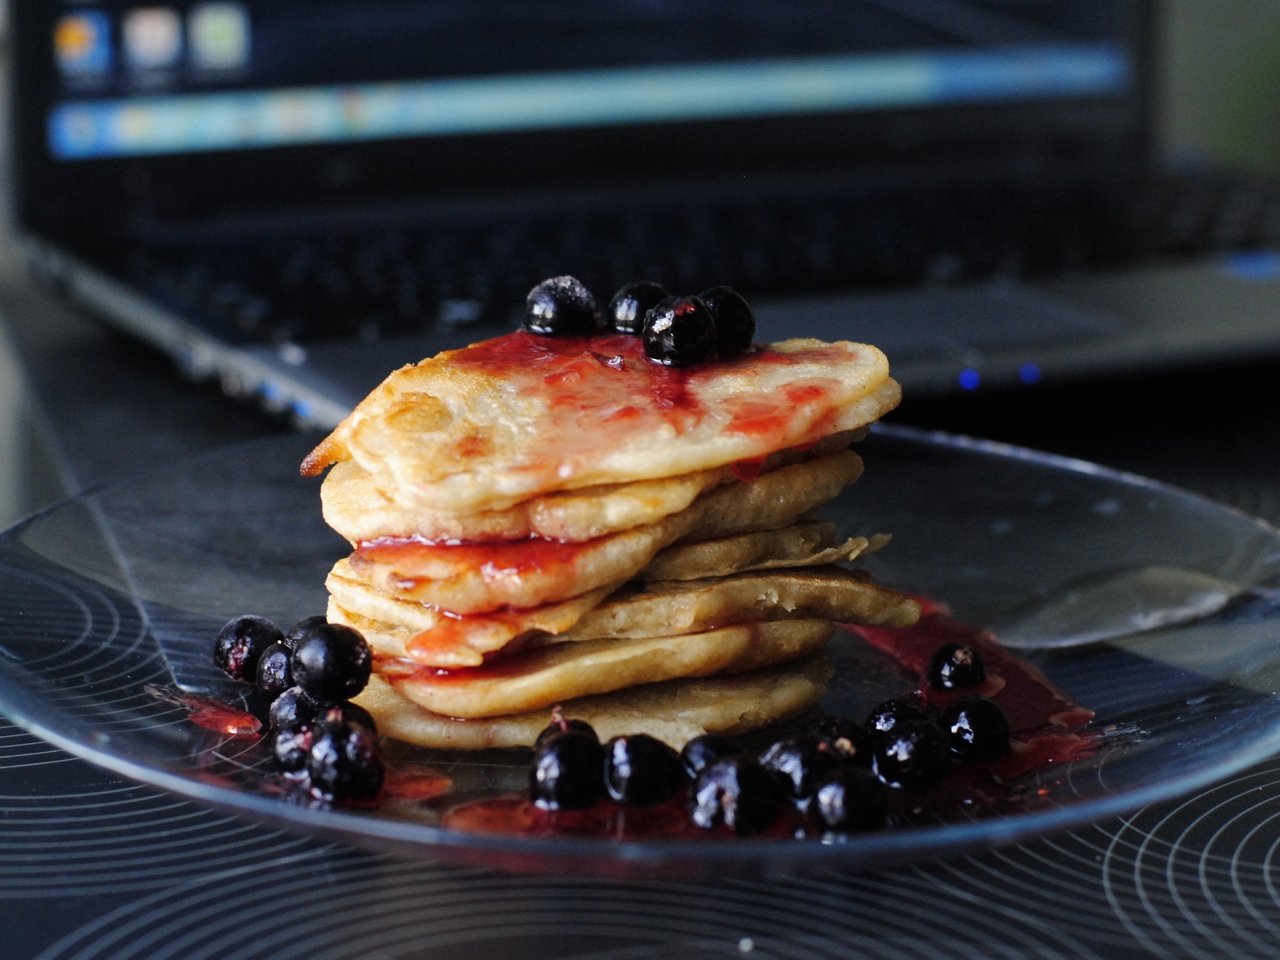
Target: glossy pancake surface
(510,419)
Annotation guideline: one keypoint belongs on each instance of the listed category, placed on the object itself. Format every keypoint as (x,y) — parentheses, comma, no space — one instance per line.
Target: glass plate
(120,590)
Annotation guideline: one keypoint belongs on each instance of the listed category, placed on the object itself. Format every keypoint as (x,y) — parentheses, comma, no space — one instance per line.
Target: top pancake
(520,416)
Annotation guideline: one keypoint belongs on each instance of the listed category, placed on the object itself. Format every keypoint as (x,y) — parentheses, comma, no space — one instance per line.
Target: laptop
(297,196)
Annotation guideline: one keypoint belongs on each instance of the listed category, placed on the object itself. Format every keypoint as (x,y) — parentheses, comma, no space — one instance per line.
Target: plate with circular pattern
(117,594)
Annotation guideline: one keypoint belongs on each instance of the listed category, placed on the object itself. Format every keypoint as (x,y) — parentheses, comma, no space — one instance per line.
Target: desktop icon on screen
(219,36)
(82,44)
(152,38)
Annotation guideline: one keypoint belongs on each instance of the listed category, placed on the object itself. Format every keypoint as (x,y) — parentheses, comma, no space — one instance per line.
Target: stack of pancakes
(557,521)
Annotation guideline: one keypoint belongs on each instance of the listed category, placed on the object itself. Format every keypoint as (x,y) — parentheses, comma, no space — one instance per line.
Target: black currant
(978,728)
(956,666)
(851,798)
(560,307)
(567,772)
(705,750)
(640,770)
(274,675)
(914,755)
(889,714)
(301,629)
(737,792)
(241,644)
(563,726)
(345,762)
(735,321)
(843,738)
(679,332)
(293,707)
(292,746)
(797,764)
(332,663)
(630,304)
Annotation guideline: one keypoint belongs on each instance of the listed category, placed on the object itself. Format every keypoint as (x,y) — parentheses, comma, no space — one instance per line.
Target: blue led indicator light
(1029,373)
(969,379)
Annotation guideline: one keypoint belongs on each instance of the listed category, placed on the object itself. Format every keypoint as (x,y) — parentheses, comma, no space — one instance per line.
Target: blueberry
(797,764)
(355,714)
(641,770)
(978,728)
(679,332)
(241,644)
(630,304)
(955,666)
(562,726)
(560,307)
(292,746)
(889,714)
(293,707)
(914,755)
(332,663)
(705,750)
(843,738)
(851,798)
(301,629)
(274,675)
(735,322)
(345,762)
(737,792)
(567,772)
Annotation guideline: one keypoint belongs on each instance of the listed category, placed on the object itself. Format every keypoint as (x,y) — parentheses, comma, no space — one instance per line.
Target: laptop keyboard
(381,283)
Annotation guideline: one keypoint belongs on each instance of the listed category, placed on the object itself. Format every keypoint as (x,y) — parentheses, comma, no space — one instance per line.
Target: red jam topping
(210,714)
(410,557)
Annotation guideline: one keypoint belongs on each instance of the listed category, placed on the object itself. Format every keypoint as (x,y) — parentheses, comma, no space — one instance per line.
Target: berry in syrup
(560,307)
(641,770)
(738,793)
(914,755)
(978,728)
(301,629)
(956,666)
(567,772)
(630,304)
(843,738)
(679,332)
(851,798)
(560,725)
(734,319)
(345,761)
(797,764)
(241,644)
(889,714)
(705,750)
(332,663)
(274,674)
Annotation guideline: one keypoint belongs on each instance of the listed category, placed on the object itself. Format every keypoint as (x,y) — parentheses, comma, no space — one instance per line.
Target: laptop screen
(131,80)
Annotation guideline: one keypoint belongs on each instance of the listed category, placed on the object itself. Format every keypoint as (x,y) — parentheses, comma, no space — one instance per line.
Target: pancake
(803,545)
(500,422)
(541,677)
(655,610)
(467,579)
(355,507)
(675,711)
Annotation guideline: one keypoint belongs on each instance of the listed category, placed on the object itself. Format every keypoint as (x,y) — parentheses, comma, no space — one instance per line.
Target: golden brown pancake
(467,579)
(492,425)
(635,612)
(675,711)
(802,545)
(547,675)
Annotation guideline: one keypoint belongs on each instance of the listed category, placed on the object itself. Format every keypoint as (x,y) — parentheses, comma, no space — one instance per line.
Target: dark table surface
(94,866)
